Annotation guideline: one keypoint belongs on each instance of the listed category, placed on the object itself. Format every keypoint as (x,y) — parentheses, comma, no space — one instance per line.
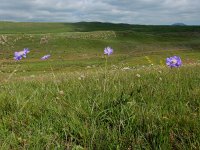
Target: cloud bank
(117,11)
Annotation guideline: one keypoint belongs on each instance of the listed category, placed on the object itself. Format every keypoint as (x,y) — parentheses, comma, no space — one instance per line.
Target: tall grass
(158,110)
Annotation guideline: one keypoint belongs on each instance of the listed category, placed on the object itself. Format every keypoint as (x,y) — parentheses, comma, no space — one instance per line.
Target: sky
(155,12)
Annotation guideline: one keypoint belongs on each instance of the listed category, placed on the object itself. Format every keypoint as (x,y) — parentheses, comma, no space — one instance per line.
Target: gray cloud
(126,11)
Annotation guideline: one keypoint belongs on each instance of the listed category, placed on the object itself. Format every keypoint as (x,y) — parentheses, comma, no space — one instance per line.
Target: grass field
(75,101)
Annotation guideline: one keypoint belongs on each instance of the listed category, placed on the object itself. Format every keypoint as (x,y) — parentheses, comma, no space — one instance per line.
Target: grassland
(71,101)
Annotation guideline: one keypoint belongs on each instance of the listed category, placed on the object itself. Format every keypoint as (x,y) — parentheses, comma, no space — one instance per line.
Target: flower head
(138,75)
(108,51)
(173,61)
(17,56)
(61,92)
(45,57)
(26,51)
(20,54)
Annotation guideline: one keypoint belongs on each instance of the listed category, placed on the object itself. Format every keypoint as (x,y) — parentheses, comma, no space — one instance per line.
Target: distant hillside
(178,24)
(43,28)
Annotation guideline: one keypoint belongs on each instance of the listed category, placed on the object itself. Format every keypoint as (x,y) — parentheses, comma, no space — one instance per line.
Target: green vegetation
(71,102)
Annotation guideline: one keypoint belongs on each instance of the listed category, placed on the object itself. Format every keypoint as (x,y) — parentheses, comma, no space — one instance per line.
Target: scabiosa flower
(45,57)
(19,55)
(173,61)
(26,51)
(108,51)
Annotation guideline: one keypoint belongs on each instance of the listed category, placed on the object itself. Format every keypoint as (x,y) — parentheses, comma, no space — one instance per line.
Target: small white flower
(81,77)
(61,92)
(138,75)
(88,67)
(32,76)
(126,68)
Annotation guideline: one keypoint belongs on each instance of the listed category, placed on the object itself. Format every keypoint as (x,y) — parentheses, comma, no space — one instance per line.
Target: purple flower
(17,56)
(108,51)
(45,57)
(20,54)
(26,51)
(173,61)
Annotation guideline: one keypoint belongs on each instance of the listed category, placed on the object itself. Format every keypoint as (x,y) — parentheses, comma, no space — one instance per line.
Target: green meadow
(80,99)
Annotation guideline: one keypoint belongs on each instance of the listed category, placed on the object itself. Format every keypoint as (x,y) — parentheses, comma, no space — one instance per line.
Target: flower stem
(105,74)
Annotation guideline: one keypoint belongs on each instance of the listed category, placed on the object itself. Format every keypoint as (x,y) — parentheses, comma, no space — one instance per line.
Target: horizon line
(175,24)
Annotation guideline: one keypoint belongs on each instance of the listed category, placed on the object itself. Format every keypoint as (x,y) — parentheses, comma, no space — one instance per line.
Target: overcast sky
(117,11)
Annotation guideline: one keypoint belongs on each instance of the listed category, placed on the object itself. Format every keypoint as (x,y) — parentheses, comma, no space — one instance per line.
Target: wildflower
(61,92)
(174,61)
(19,55)
(88,67)
(108,51)
(138,75)
(45,57)
(26,51)
(126,68)
(165,117)
(81,77)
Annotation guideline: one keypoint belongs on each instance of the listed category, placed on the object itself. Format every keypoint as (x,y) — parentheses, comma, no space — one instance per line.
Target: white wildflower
(138,75)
